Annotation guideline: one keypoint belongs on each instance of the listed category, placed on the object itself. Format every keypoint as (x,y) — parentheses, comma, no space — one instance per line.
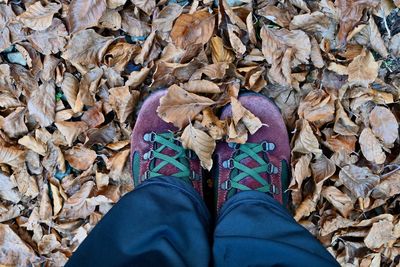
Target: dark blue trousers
(164,222)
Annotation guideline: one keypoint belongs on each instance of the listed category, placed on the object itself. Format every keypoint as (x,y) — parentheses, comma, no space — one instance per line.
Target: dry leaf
(14,124)
(42,104)
(11,156)
(306,141)
(146,5)
(14,251)
(8,189)
(39,17)
(215,128)
(358,180)
(339,200)
(240,113)
(57,200)
(33,144)
(201,143)
(192,29)
(71,129)
(180,107)
(123,101)
(363,70)
(85,14)
(70,88)
(301,171)
(201,87)
(370,147)
(48,243)
(381,234)
(322,168)
(86,49)
(343,124)
(218,51)
(80,158)
(384,125)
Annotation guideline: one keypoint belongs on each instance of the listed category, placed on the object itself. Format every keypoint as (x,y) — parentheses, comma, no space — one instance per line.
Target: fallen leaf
(42,104)
(338,199)
(123,101)
(343,124)
(301,171)
(218,51)
(117,164)
(118,55)
(359,180)
(215,128)
(164,21)
(8,189)
(306,141)
(101,136)
(80,158)
(388,187)
(201,143)
(322,168)
(146,5)
(350,13)
(39,17)
(85,14)
(275,14)
(51,40)
(93,116)
(384,125)
(33,144)
(48,243)
(14,124)
(370,147)
(363,70)
(381,234)
(86,49)
(192,29)
(14,251)
(240,113)
(71,129)
(201,87)
(180,107)
(11,156)
(57,200)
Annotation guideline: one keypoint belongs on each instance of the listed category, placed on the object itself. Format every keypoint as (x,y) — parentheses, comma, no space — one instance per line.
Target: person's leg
(253,229)
(163,222)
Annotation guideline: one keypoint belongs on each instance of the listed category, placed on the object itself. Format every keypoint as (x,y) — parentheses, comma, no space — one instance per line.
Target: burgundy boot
(262,163)
(155,150)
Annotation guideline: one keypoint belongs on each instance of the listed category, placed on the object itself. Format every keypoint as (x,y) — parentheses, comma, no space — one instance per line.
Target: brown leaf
(102,136)
(48,243)
(380,235)
(85,14)
(350,13)
(14,124)
(80,158)
(275,14)
(301,171)
(343,124)
(70,88)
(192,29)
(234,37)
(180,107)
(57,200)
(218,51)
(313,22)
(26,183)
(359,180)
(394,45)
(88,89)
(306,141)
(134,26)
(316,56)
(201,87)
(33,144)
(11,156)
(118,55)
(363,70)
(86,49)
(146,5)
(111,19)
(388,187)
(237,133)
(370,147)
(201,143)
(71,129)
(39,17)
(136,78)
(338,199)
(117,164)
(8,189)
(240,113)
(93,116)
(322,168)
(14,251)
(317,107)
(123,101)
(42,104)
(165,19)
(384,125)
(215,128)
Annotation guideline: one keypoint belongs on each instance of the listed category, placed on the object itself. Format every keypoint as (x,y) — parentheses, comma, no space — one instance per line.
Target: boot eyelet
(149,155)
(194,176)
(267,146)
(228,164)
(227,185)
(234,145)
(149,137)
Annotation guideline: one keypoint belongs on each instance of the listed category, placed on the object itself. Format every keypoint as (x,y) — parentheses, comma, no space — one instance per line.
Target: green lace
(240,171)
(158,160)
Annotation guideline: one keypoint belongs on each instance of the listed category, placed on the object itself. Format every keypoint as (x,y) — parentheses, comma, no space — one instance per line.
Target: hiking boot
(156,151)
(261,164)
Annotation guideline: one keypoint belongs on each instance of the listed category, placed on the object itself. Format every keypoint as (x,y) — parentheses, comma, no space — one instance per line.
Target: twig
(385,22)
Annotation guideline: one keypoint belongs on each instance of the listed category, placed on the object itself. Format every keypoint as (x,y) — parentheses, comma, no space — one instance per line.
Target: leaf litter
(73,75)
